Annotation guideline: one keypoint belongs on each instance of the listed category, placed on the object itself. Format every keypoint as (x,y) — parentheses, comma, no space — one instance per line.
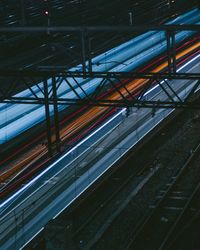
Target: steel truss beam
(127,99)
(109,80)
(121,75)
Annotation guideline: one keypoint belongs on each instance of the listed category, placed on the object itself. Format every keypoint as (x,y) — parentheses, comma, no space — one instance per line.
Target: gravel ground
(162,155)
(189,237)
(168,150)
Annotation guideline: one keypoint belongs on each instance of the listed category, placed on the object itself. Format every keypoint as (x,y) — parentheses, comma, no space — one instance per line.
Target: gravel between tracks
(163,155)
(169,149)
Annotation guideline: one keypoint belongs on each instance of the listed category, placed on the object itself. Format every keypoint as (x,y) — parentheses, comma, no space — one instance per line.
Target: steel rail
(168,241)
(141,226)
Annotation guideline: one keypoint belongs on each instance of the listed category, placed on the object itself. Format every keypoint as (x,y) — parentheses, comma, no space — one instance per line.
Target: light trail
(79,144)
(57,161)
(182,67)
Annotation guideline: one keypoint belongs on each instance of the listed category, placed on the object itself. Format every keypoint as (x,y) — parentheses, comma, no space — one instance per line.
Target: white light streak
(57,161)
(182,67)
(80,143)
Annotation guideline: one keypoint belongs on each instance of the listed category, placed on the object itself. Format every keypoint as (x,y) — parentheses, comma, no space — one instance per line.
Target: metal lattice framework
(44,73)
(115,80)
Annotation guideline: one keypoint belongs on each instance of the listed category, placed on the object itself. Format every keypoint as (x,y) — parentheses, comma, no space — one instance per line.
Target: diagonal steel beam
(145,89)
(98,89)
(120,93)
(124,86)
(166,92)
(72,88)
(29,87)
(79,85)
(195,87)
(173,91)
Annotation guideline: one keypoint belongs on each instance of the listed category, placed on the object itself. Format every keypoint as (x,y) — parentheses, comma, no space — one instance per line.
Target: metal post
(56,118)
(89,56)
(130,17)
(168,51)
(83,51)
(173,51)
(48,119)
(48,15)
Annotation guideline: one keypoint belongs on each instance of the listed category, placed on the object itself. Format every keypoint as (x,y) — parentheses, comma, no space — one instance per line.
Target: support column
(89,55)
(83,43)
(173,52)
(48,119)
(56,114)
(168,51)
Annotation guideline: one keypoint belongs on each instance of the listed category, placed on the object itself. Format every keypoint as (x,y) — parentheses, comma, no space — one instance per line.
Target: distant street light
(47,13)
(170,2)
(130,17)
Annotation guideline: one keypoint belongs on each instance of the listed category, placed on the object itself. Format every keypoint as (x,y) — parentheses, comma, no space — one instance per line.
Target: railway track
(173,208)
(90,212)
(65,133)
(127,184)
